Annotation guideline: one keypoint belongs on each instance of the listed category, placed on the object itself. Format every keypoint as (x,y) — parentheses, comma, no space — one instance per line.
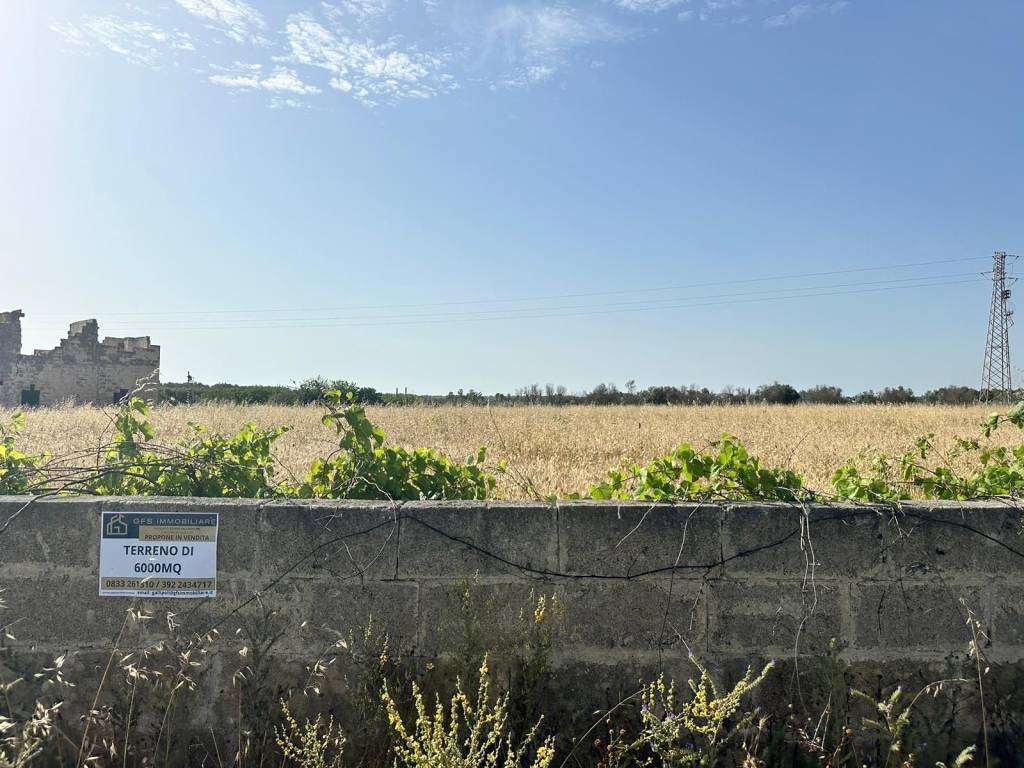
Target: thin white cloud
(71,35)
(371,71)
(279,102)
(724,12)
(384,51)
(533,42)
(727,20)
(801,11)
(138,41)
(283,79)
(235,18)
(360,10)
(648,6)
(526,76)
(528,30)
(250,77)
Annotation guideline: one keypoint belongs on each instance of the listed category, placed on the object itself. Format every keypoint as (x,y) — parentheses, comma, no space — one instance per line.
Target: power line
(560,314)
(549,297)
(512,312)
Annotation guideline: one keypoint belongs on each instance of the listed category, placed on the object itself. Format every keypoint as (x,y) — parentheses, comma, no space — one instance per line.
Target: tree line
(775,393)
(312,391)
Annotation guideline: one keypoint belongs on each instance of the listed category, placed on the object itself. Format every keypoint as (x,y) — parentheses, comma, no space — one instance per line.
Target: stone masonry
(82,369)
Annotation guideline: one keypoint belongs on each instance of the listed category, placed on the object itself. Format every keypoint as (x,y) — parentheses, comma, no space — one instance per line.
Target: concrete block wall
(642,585)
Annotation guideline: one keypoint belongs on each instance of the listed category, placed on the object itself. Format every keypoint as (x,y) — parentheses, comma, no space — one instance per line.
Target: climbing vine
(366,466)
(726,470)
(926,472)
(16,468)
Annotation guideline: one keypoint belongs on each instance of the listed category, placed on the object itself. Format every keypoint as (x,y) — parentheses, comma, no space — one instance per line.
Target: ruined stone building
(82,369)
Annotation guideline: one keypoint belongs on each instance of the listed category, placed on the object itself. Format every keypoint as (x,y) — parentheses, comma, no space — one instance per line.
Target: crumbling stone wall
(83,369)
(866,597)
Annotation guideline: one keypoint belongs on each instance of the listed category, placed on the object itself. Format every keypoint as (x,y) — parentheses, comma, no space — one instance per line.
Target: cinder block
(791,540)
(607,539)
(54,532)
(781,617)
(467,618)
(942,722)
(86,620)
(200,616)
(83,667)
(347,605)
(446,539)
(973,539)
(1005,627)
(348,539)
(638,615)
(897,616)
(603,685)
(63,611)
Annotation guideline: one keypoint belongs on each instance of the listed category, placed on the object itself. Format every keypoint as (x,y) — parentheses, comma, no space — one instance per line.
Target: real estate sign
(158,554)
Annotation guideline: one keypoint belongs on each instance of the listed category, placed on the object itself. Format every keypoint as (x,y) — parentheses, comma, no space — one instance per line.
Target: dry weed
(558,449)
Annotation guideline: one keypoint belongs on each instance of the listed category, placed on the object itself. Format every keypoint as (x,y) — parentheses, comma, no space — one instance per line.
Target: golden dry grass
(559,450)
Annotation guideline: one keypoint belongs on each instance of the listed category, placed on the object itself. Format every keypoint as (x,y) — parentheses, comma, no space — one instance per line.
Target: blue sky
(437,194)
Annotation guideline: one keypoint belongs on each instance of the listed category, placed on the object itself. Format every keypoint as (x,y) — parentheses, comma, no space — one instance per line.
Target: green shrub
(313,744)
(17,469)
(725,471)
(992,470)
(693,732)
(203,465)
(467,734)
(366,468)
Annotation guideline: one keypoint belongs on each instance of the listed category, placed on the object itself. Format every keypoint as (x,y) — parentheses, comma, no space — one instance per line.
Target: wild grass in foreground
(357,705)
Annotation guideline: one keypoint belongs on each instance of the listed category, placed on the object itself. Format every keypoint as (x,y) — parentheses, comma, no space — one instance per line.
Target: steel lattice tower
(995,376)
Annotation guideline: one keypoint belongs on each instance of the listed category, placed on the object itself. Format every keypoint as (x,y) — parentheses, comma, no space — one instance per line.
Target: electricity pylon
(995,375)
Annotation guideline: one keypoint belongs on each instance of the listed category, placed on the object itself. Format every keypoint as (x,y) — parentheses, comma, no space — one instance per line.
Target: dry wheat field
(557,449)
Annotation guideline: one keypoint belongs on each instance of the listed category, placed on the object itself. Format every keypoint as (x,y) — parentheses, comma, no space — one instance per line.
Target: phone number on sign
(159,584)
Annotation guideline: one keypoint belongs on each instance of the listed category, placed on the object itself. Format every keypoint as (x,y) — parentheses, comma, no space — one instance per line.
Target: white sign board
(158,554)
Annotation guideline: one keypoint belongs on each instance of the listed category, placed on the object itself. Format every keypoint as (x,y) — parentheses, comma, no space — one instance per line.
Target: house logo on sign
(116,526)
